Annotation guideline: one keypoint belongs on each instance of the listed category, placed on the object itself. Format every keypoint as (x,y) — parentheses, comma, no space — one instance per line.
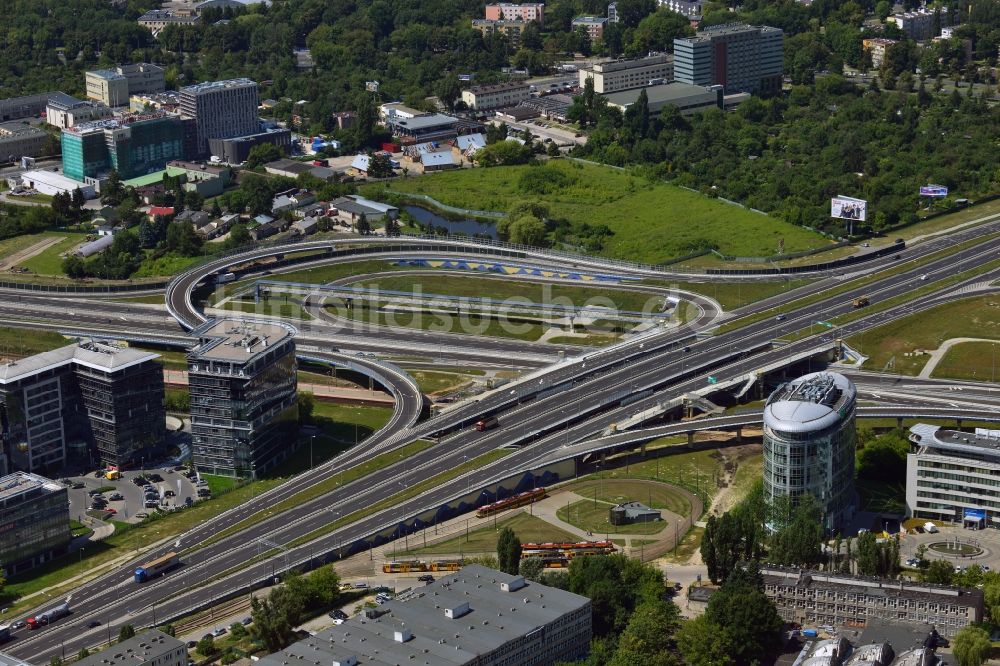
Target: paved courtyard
(988,540)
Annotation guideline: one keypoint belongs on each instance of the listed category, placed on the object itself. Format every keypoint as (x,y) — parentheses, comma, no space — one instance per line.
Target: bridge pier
(690,437)
(642,450)
(958,424)
(899,422)
(739,433)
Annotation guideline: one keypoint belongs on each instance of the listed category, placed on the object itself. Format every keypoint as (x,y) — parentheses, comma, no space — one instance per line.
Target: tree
(362,226)
(306,407)
(238,237)
(275,617)
(112,190)
(648,636)
(704,643)
(206,647)
(971,646)
(365,118)
(991,600)
(747,617)
(182,239)
(55,661)
(62,205)
(939,572)
(527,230)
(261,154)
(74,267)
(798,538)
(125,633)
(77,202)
(532,568)
(82,654)
(509,551)
(380,166)
(504,153)
(448,90)
(883,458)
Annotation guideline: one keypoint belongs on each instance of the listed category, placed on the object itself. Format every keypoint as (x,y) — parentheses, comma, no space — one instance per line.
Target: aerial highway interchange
(559,409)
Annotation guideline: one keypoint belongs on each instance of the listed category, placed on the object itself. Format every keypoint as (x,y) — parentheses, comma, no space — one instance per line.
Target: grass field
(154,299)
(976,317)
(529,529)
(653,495)
(10,246)
(274,307)
(345,423)
(593,516)
(501,289)
(437,382)
(651,222)
(467,324)
(733,295)
(969,360)
(20,342)
(49,262)
(688,545)
(942,223)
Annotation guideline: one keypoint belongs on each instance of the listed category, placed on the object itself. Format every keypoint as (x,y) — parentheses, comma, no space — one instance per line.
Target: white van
(930,528)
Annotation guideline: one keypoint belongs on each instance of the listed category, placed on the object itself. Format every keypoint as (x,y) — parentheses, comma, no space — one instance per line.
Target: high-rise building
(743,58)
(221,109)
(809,443)
(113,87)
(613,12)
(133,144)
(84,398)
(34,521)
(242,380)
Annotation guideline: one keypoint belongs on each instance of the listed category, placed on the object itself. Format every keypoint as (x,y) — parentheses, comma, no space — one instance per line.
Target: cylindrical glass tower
(809,442)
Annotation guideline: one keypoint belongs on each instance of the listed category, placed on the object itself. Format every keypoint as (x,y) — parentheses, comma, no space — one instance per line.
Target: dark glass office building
(34,521)
(242,380)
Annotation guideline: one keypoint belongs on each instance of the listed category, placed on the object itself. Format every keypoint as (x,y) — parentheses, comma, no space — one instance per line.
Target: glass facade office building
(809,444)
(134,145)
(34,521)
(242,381)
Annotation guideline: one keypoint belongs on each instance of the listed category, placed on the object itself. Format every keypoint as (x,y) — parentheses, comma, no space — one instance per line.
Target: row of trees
(288,605)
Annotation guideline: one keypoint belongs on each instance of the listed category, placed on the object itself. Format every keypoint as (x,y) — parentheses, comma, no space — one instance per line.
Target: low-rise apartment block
(512,30)
(815,597)
(476,617)
(66,113)
(34,521)
(505,11)
(921,24)
(877,47)
(486,98)
(618,75)
(592,25)
(158,19)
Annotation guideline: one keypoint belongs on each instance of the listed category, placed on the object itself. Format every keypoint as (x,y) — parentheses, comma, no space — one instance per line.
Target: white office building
(618,75)
(954,476)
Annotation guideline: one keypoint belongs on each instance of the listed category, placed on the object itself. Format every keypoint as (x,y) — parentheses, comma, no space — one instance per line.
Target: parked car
(109,509)
(169,493)
(77,486)
(151,504)
(116,497)
(426,578)
(219,632)
(156,478)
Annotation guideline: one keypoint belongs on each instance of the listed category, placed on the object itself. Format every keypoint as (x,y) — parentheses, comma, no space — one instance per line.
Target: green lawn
(347,423)
(593,516)
(171,359)
(688,546)
(881,497)
(737,294)
(49,262)
(9,246)
(500,289)
(617,491)
(969,360)
(20,342)
(275,307)
(976,317)
(467,324)
(652,222)
(529,529)
(438,382)
(154,299)
(167,265)
(942,223)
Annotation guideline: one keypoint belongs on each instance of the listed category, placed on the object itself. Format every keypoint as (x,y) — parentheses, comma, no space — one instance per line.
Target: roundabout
(955,548)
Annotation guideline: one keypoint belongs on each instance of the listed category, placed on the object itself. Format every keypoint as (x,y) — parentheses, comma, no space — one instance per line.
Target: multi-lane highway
(562,404)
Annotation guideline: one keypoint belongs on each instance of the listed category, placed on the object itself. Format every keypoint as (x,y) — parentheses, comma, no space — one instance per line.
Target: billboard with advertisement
(933,191)
(846,208)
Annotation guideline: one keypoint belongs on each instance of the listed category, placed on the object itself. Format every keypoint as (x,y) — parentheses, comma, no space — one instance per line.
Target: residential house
(160,211)
(467,144)
(290,200)
(306,226)
(359,165)
(438,161)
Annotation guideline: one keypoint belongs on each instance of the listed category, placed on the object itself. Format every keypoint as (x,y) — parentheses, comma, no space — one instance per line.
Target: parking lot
(126,500)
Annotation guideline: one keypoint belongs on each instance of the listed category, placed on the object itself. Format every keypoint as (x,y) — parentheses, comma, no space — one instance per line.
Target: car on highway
(92,624)
(19,624)
(924,276)
(687,349)
(780,317)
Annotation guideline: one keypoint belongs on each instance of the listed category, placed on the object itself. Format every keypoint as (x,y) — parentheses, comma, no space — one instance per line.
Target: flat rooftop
(143,647)
(237,340)
(453,620)
(810,403)
(20,483)
(876,587)
(209,86)
(93,354)
(618,65)
(17,128)
(665,93)
(981,443)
